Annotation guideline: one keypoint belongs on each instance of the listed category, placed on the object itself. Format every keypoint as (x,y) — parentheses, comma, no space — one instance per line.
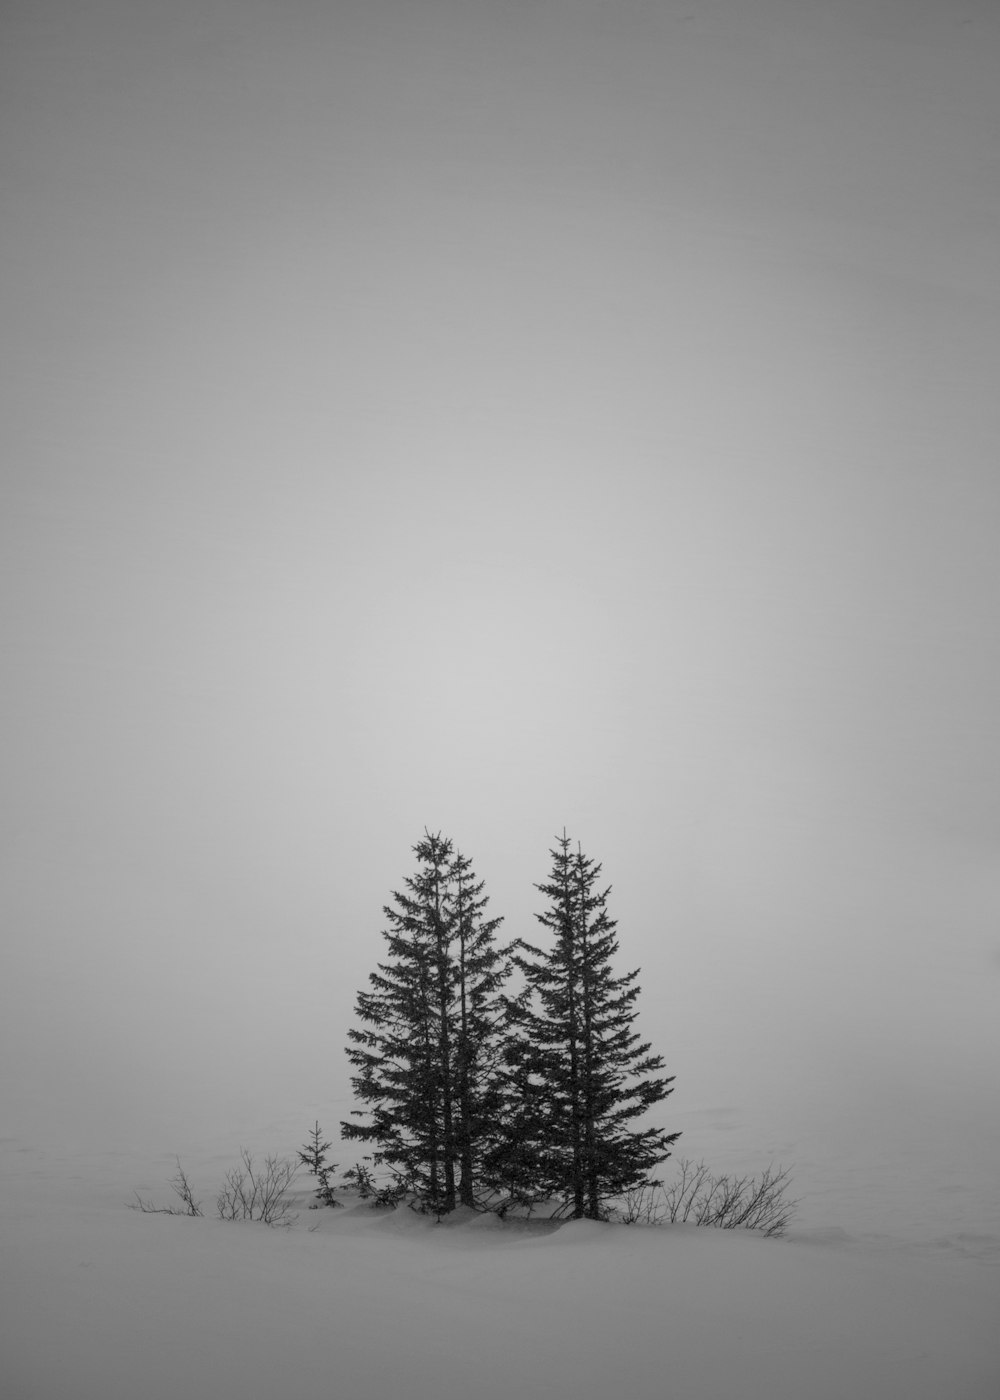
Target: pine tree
(584,1074)
(427,1052)
(480,970)
(523,1166)
(312,1153)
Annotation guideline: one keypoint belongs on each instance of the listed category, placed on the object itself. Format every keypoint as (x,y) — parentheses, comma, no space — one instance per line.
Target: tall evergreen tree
(480,970)
(584,1074)
(427,1052)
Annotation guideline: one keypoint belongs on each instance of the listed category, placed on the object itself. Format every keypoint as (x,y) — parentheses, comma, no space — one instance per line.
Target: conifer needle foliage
(476,1097)
(427,1055)
(581,1075)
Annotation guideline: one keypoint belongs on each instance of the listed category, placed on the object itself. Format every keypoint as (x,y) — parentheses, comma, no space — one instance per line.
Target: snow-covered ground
(100,1302)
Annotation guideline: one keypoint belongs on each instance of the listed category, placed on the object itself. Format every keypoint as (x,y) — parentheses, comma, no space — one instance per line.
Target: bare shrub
(727,1202)
(642,1205)
(182,1187)
(731,1202)
(683,1196)
(257,1192)
(148,1208)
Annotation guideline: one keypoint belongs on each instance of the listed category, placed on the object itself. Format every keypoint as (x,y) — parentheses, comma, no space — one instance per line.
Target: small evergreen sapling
(325,1190)
(360,1177)
(312,1155)
(378,1193)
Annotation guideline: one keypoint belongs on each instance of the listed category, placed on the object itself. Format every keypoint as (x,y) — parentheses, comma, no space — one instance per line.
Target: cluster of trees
(501,1076)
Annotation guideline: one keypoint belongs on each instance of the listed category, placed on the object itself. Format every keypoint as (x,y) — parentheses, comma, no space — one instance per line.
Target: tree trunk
(465,1191)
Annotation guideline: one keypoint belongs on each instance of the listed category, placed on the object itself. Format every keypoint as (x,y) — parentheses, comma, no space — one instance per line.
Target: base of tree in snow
(98,1302)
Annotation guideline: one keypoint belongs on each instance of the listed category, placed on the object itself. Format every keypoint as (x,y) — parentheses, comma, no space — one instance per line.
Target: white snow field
(100,1302)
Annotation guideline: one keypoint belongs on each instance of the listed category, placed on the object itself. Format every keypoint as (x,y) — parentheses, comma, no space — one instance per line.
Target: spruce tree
(523,1166)
(480,970)
(426,1054)
(584,1074)
(312,1154)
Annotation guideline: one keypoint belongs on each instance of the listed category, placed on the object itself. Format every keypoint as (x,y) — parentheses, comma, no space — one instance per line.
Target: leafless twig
(182,1187)
(727,1202)
(257,1192)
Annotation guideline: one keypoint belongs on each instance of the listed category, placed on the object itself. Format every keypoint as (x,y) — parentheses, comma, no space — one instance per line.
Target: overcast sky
(500,417)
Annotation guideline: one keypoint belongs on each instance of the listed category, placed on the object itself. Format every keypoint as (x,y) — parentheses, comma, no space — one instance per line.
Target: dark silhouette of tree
(312,1153)
(579,1074)
(427,1053)
(480,970)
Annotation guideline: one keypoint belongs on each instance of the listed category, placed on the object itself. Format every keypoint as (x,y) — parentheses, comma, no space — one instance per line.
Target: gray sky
(500,417)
